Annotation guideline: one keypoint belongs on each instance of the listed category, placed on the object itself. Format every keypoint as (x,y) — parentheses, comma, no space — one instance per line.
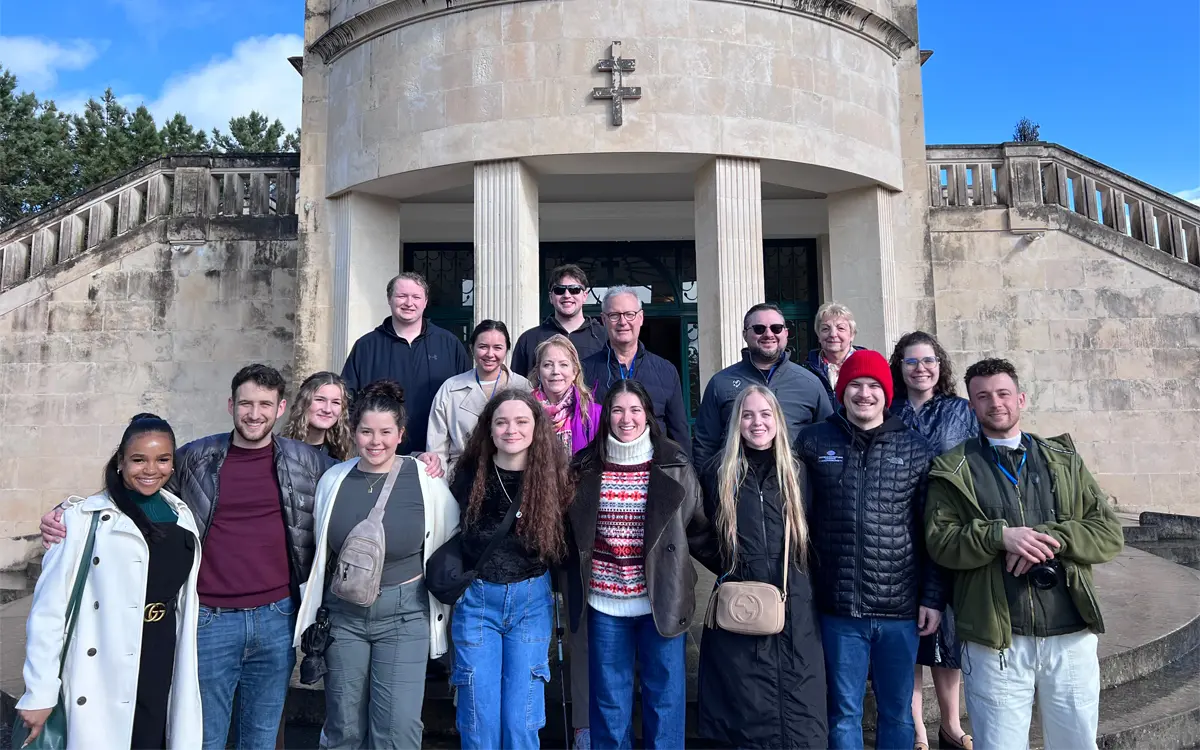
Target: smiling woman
(154,700)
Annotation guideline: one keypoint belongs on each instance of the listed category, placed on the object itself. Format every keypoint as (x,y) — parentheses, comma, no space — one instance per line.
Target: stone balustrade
(203,187)
(1029,175)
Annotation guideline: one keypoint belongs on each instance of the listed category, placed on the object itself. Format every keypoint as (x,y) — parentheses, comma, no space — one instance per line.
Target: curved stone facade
(415,86)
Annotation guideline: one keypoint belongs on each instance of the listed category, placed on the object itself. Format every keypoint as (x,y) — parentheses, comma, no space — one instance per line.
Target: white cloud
(256,75)
(36,62)
(1192,195)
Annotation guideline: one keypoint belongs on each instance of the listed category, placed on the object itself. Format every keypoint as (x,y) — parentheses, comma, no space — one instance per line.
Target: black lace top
(512,561)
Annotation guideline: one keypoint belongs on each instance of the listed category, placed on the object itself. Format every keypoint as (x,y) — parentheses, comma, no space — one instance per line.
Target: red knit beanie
(865,363)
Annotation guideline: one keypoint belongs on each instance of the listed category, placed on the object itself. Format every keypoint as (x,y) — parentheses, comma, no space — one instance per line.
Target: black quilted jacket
(867,519)
(298,468)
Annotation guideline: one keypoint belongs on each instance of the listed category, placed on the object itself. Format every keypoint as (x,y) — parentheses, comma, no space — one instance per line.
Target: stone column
(862,267)
(507,282)
(366,245)
(729,257)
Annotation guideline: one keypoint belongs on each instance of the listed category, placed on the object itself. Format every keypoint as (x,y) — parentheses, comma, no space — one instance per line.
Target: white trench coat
(99,681)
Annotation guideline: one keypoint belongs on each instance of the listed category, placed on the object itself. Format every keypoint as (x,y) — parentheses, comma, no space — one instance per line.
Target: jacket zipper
(1028,585)
(856,609)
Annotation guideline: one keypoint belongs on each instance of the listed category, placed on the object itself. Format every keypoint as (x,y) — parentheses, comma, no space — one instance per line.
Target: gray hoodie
(800,393)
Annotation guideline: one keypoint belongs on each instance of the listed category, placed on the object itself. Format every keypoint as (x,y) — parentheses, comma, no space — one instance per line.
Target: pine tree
(179,137)
(145,142)
(250,134)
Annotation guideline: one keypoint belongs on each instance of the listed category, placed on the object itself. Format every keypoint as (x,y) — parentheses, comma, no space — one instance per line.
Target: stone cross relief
(618,92)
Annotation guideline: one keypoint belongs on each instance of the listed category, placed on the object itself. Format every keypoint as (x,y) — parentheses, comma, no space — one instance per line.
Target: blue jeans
(615,645)
(888,648)
(501,636)
(250,651)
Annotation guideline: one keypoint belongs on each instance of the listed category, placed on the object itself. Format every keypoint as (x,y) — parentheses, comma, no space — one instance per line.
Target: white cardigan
(441,523)
(99,681)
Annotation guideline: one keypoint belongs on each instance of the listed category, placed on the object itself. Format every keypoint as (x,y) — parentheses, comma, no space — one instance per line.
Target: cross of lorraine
(618,92)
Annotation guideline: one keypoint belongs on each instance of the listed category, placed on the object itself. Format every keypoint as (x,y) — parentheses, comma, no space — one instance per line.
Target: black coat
(419,366)
(661,380)
(764,691)
(867,519)
(298,468)
(588,339)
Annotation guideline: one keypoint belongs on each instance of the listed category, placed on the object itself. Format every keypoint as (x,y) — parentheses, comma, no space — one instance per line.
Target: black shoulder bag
(446,573)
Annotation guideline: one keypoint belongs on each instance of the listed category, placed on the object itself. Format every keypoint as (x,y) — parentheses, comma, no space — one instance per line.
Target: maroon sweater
(245,560)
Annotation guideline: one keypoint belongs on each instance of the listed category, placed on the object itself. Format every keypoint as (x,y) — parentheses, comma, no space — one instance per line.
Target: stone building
(764,150)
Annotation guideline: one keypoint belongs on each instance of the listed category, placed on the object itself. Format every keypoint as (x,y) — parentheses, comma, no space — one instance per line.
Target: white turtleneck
(636,451)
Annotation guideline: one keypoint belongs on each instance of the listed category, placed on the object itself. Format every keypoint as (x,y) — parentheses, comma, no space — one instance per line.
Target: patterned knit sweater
(618,586)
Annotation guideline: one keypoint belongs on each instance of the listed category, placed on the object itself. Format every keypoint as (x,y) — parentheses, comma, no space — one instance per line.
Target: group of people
(887,518)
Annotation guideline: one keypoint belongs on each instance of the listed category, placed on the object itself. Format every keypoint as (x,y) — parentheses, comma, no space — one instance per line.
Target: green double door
(663,274)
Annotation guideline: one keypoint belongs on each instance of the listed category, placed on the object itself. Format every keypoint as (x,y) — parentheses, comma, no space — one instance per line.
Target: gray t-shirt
(403,519)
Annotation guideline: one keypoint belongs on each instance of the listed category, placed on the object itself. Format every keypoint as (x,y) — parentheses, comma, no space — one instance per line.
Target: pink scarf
(560,414)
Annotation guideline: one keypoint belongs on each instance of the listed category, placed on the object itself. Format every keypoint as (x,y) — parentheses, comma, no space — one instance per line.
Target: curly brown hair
(546,487)
(945,383)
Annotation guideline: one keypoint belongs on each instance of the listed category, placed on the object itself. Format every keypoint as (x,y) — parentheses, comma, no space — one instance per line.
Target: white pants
(1065,672)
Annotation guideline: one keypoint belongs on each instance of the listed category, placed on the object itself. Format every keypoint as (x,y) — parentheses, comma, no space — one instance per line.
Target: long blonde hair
(733,470)
(564,343)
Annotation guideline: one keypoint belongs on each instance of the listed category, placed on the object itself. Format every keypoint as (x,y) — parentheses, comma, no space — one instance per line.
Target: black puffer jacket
(297,466)
(867,519)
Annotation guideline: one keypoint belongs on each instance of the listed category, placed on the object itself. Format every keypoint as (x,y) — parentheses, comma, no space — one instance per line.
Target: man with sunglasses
(765,361)
(1021,521)
(568,294)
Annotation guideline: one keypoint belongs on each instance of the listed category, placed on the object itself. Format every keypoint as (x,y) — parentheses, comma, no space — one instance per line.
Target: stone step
(1179,551)
(1172,525)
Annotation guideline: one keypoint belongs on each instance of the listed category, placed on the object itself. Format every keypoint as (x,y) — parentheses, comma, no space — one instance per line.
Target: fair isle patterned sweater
(618,586)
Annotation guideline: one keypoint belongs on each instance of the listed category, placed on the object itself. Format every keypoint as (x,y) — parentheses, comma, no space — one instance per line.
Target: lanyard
(623,372)
(1015,479)
(771,372)
(495,385)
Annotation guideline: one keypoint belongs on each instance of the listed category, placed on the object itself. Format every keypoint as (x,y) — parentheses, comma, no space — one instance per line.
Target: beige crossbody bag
(751,607)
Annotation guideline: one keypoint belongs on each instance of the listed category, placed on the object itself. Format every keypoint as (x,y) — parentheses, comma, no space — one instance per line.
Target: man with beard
(765,361)
(1022,521)
(252,495)
(876,589)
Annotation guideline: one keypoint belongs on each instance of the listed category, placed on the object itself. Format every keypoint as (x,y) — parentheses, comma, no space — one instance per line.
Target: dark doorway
(664,337)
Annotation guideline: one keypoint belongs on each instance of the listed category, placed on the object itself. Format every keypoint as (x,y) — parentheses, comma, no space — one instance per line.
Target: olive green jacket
(961,538)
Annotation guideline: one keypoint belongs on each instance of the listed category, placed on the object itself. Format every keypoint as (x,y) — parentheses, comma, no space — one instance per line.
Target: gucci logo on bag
(745,608)
(155,612)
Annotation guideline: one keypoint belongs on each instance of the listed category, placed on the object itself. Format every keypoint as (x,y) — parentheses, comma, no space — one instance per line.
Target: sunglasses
(560,289)
(759,329)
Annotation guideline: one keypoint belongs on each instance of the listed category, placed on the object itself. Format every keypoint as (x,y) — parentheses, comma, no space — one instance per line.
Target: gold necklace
(371,488)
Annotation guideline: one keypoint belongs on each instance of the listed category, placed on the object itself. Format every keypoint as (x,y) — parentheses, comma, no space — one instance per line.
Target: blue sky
(1118,83)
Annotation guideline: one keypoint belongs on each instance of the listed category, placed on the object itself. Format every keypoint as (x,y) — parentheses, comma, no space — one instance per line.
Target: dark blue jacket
(800,394)
(420,367)
(944,421)
(588,339)
(866,518)
(816,365)
(661,380)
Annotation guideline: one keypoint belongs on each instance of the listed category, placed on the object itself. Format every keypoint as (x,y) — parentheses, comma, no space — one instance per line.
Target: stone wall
(1107,345)
(156,318)
(419,86)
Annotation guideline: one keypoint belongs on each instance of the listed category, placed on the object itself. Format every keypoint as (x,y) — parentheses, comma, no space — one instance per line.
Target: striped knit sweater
(618,586)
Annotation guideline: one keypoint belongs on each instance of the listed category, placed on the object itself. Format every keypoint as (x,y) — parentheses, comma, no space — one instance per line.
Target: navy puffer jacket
(867,519)
(944,421)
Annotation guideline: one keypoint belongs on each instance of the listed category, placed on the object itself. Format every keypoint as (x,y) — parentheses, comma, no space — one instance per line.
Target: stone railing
(175,186)
(1029,175)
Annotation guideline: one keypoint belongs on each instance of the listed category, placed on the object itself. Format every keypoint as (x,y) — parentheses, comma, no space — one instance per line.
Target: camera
(1044,576)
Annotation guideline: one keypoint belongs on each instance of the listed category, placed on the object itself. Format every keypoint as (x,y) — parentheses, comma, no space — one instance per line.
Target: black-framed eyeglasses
(759,329)
(561,289)
(912,362)
(613,317)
